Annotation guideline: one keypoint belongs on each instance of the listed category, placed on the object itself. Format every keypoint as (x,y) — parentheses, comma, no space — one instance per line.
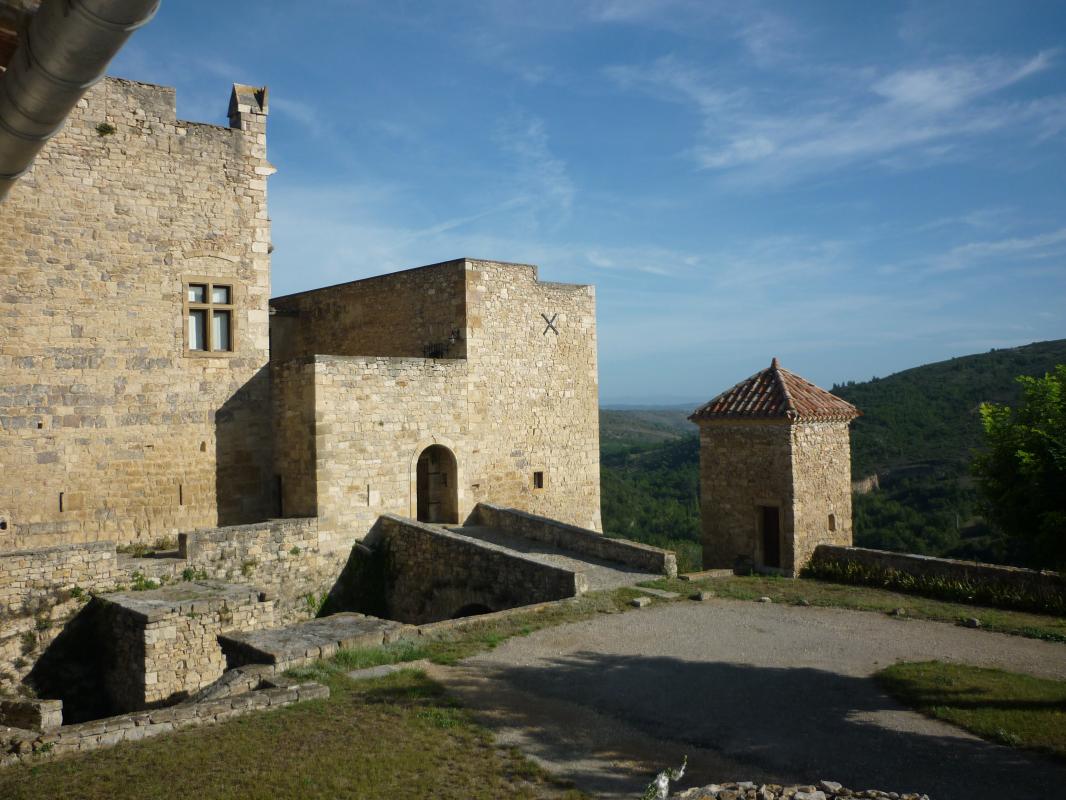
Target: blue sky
(856,188)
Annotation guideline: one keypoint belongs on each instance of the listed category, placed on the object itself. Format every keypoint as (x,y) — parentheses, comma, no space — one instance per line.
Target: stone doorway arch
(437,486)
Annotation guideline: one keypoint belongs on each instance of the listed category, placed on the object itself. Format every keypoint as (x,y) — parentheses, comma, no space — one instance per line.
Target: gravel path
(749,691)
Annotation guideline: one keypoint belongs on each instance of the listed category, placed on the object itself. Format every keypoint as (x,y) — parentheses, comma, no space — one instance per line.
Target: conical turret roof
(776,393)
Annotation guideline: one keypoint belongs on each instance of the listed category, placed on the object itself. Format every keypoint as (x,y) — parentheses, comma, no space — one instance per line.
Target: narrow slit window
(832,522)
(538,480)
(209,312)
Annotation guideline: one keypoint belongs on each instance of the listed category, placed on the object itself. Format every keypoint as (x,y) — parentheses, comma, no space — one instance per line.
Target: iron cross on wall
(551,324)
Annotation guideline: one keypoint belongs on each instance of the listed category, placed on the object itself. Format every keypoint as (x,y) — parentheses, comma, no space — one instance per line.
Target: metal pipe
(64,50)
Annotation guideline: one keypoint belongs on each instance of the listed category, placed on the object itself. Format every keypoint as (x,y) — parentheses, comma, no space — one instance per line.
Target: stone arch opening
(437,492)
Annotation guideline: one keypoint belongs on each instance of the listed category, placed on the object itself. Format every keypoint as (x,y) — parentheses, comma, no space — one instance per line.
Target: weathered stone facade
(775,473)
(109,427)
(473,367)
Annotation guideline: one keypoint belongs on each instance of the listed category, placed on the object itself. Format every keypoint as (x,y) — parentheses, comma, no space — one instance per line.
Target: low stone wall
(34,715)
(1031,588)
(16,745)
(825,790)
(280,557)
(160,646)
(26,575)
(43,590)
(578,540)
(434,574)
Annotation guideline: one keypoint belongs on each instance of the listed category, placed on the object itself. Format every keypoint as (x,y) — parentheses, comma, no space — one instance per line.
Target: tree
(1022,474)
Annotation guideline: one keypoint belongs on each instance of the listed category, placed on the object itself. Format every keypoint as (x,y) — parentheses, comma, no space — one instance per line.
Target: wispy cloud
(540,175)
(1051,244)
(903,119)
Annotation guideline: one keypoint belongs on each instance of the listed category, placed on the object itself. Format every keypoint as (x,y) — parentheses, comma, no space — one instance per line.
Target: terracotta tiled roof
(777,393)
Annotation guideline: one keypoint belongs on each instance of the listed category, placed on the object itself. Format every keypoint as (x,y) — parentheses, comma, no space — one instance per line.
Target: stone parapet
(435,574)
(19,746)
(1035,589)
(578,540)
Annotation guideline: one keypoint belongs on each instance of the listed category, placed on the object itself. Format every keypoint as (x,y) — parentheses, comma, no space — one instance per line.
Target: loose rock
(640,602)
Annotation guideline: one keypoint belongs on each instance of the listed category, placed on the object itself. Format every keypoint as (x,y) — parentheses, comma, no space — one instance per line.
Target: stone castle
(149,385)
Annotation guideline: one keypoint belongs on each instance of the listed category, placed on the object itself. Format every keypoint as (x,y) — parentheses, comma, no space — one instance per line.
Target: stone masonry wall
(281,558)
(743,465)
(821,479)
(42,591)
(162,645)
(108,429)
(522,400)
(432,574)
(1045,586)
(414,313)
(578,540)
(533,392)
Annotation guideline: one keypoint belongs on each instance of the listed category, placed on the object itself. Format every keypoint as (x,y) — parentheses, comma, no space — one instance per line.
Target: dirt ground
(748,691)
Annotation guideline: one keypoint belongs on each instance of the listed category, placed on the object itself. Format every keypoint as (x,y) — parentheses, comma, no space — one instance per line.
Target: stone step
(665,595)
(305,642)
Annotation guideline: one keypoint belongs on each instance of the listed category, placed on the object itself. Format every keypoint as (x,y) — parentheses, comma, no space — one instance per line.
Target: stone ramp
(601,573)
(305,642)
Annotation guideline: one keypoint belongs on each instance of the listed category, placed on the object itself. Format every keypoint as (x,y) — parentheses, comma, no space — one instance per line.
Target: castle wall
(415,313)
(534,394)
(743,465)
(821,470)
(522,399)
(373,417)
(108,429)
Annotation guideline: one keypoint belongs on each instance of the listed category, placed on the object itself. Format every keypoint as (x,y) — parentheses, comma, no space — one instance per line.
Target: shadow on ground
(608,722)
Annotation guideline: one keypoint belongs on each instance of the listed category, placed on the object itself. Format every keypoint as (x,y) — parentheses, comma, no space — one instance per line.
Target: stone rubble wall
(29,747)
(159,651)
(99,403)
(1050,586)
(432,573)
(825,790)
(578,540)
(281,557)
(34,715)
(42,590)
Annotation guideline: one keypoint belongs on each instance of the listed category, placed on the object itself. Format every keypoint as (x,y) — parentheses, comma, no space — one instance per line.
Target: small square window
(538,480)
(209,314)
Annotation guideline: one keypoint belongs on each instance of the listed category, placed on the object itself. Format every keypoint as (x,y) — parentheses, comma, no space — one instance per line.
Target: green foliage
(1022,474)
(106,129)
(248,567)
(649,494)
(192,574)
(142,583)
(980,592)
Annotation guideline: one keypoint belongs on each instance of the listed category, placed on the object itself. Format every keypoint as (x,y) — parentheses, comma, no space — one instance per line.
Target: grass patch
(799,591)
(1004,707)
(398,736)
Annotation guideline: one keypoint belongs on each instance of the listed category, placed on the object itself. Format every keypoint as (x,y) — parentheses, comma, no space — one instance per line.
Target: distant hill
(623,429)
(928,415)
(918,432)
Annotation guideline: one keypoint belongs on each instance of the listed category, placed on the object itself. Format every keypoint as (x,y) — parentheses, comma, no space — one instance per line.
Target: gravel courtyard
(749,691)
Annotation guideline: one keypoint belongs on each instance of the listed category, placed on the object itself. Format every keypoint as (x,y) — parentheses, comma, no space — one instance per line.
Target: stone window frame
(209,283)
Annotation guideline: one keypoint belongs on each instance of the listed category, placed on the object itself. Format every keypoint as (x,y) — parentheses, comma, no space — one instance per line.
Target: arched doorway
(437,476)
